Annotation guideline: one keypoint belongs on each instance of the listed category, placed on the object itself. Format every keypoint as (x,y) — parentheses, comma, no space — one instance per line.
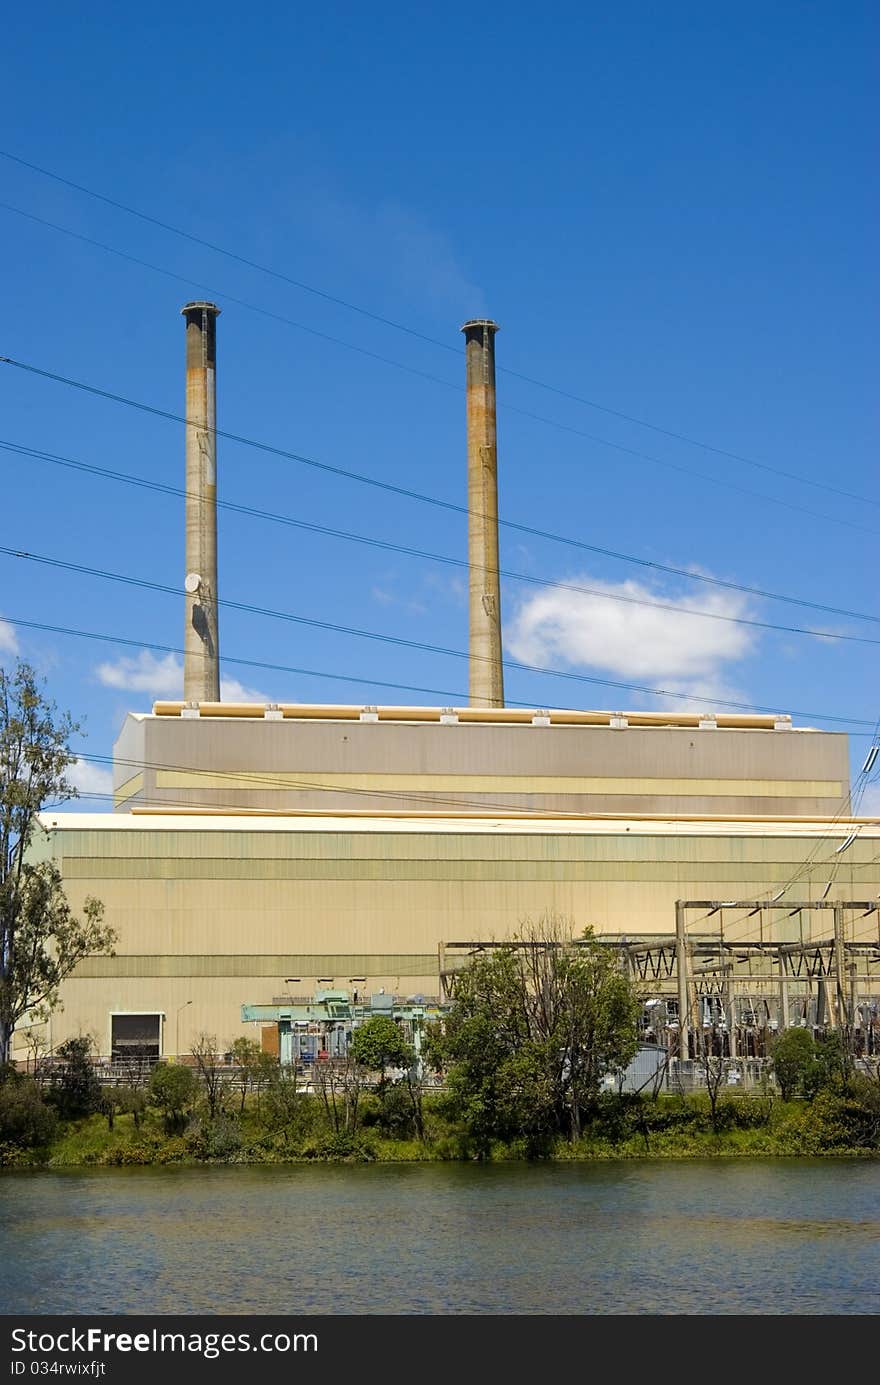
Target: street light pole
(177,1027)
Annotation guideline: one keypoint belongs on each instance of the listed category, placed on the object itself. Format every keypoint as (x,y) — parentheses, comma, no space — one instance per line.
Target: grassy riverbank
(667,1128)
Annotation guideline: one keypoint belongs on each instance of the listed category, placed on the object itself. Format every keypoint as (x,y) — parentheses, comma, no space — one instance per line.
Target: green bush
(219,1139)
(616,1116)
(173,1089)
(131,1101)
(850,1121)
(75,1090)
(26,1122)
(676,1113)
(743,1112)
(392,1112)
(832,1067)
(794,1063)
(341,1146)
(149,1149)
(284,1107)
(127,1101)
(369,1109)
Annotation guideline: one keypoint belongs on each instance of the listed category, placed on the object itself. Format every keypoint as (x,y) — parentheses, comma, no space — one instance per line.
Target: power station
(260,853)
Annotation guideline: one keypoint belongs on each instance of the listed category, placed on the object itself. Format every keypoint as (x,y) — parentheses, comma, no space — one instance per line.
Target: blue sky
(670,211)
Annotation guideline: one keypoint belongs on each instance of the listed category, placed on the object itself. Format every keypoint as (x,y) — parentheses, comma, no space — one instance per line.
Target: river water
(719,1237)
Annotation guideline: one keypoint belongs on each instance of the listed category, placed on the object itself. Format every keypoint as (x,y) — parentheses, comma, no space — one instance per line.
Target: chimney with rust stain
(486,674)
(201,647)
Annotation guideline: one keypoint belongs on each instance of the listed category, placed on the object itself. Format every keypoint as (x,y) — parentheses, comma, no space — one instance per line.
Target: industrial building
(224,911)
(265,861)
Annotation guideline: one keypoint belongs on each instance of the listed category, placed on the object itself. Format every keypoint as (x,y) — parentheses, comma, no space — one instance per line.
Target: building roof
(493,824)
(559,716)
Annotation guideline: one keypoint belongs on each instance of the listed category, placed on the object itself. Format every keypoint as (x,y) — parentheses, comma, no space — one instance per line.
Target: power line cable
(856,797)
(847,809)
(190,282)
(423,646)
(373,682)
(429,340)
(438,380)
(481,808)
(385,545)
(255,780)
(231,254)
(287,781)
(471,807)
(248,663)
(448,505)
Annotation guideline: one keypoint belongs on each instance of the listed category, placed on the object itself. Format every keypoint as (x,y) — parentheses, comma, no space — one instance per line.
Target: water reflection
(713,1237)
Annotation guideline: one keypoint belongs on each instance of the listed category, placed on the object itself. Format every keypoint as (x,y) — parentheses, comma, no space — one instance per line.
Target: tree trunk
(5,1042)
(575,1117)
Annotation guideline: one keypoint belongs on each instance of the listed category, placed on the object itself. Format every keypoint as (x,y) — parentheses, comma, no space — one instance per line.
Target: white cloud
(8,638)
(90,778)
(163,677)
(233,691)
(144,672)
(681,652)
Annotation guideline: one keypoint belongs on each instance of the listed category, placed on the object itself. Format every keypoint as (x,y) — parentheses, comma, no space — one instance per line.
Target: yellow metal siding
(272,965)
(259,781)
(450,848)
(221,917)
(264,872)
(127,790)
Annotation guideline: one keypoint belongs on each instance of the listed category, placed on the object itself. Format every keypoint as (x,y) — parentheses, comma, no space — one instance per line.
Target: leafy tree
(133,1102)
(833,1062)
(125,1101)
(76,1090)
(41,939)
(807,1066)
(173,1089)
(378,1044)
(842,1119)
(532,1031)
(25,1119)
(794,1062)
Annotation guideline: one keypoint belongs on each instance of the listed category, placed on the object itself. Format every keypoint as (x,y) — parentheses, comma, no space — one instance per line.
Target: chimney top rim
(205,307)
(479,322)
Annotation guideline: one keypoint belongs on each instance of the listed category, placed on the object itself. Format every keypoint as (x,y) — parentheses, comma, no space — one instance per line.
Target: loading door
(135,1036)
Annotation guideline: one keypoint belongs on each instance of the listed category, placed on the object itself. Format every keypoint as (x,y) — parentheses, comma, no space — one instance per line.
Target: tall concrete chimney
(201,646)
(486,674)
